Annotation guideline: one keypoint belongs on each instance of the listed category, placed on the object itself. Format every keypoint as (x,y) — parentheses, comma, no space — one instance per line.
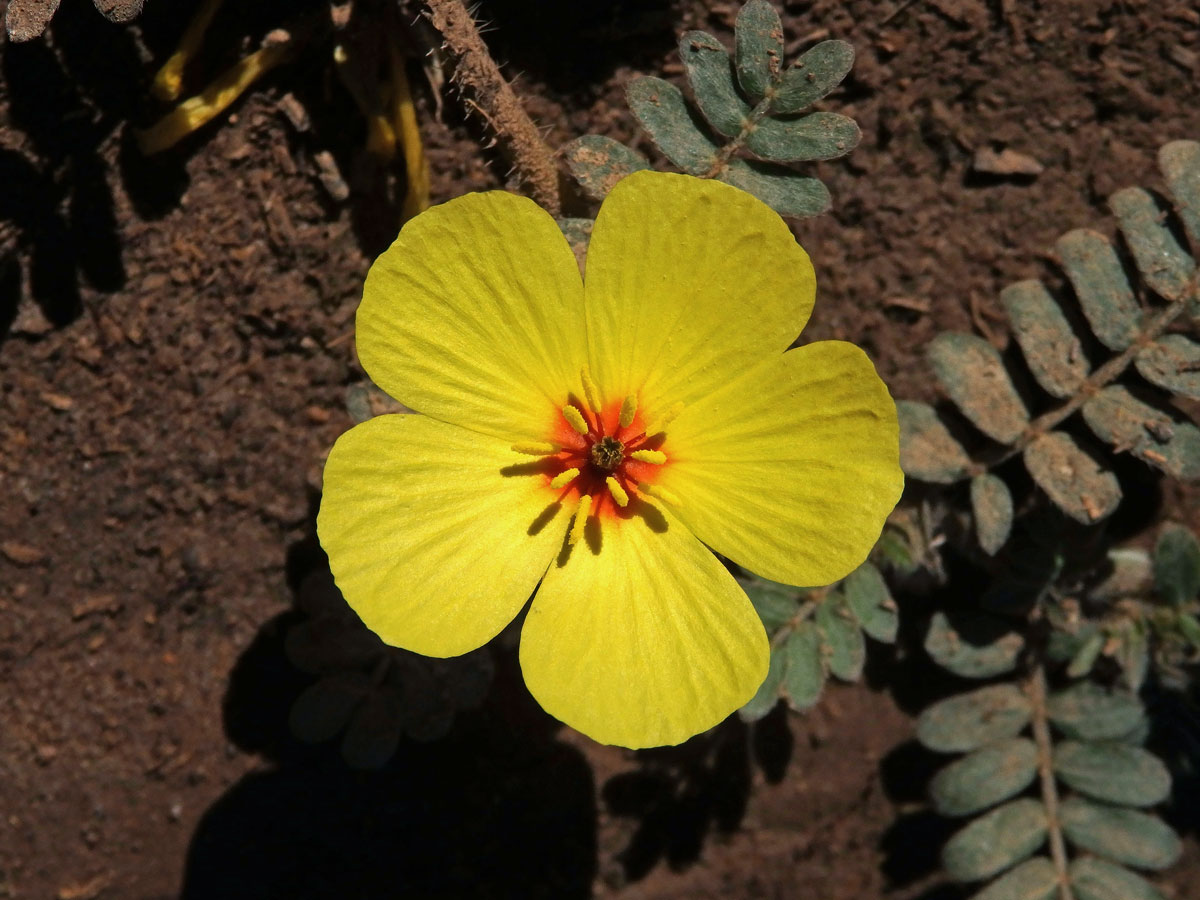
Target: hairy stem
(721,160)
(1036,690)
(493,97)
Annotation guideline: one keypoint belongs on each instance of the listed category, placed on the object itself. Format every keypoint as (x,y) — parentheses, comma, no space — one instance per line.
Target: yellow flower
(594,437)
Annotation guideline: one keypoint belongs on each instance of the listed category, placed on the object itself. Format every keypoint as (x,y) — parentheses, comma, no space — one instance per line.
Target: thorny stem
(1099,379)
(1036,690)
(493,96)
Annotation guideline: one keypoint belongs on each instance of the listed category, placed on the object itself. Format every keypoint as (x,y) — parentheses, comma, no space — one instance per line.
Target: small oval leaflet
(1086,711)
(661,109)
(996,841)
(1177,565)
(1112,772)
(872,604)
(785,191)
(768,692)
(927,449)
(964,722)
(1116,416)
(775,603)
(1166,266)
(973,645)
(971,372)
(817,72)
(1051,349)
(710,74)
(843,639)
(1071,478)
(804,677)
(818,135)
(992,505)
(1179,162)
(1123,835)
(984,778)
(599,162)
(374,732)
(1101,285)
(1096,879)
(758,34)
(1034,879)
(323,709)
(1173,363)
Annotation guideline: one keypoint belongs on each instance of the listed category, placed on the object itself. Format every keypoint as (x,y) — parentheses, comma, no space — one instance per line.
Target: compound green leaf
(843,639)
(996,841)
(758,34)
(819,135)
(710,74)
(965,722)
(661,109)
(1086,654)
(869,599)
(928,451)
(1102,287)
(1173,363)
(1177,565)
(973,645)
(817,72)
(1034,879)
(1123,835)
(1052,351)
(971,372)
(804,677)
(1088,712)
(1167,267)
(1179,162)
(775,603)
(984,778)
(992,504)
(1129,424)
(599,162)
(788,193)
(1133,654)
(768,692)
(1113,772)
(1096,879)
(1071,478)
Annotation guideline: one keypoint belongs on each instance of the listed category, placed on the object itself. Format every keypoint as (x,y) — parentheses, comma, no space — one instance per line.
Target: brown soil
(176,347)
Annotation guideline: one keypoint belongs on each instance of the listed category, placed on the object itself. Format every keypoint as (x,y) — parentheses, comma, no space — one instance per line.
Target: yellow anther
(562,479)
(660,493)
(666,419)
(628,410)
(581,514)
(536,448)
(618,492)
(590,392)
(656,457)
(575,419)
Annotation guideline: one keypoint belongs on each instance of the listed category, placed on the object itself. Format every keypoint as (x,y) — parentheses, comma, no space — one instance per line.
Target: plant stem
(721,160)
(495,100)
(1036,690)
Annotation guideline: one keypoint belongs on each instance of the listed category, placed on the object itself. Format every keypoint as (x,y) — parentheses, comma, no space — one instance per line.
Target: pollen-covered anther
(628,411)
(590,392)
(618,493)
(654,457)
(575,419)
(562,479)
(659,493)
(581,515)
(536,448)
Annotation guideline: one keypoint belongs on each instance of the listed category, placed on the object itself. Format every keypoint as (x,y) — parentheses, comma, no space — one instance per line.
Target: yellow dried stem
(381,137)
(404,124)
(168,83)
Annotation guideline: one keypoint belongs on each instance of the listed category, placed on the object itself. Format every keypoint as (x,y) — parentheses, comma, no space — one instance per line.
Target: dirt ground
(175,347)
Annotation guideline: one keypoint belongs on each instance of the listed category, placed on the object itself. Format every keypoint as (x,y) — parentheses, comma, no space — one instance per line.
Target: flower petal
(474,316)
(791,470)
(688,280)
(435,538)
(647,641)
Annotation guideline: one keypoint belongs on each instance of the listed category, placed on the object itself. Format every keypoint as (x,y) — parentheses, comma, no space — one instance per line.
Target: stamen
(590,393)
(659,492)
(618,492)
(562,479)
(581,514)
(655,457)
(666,419)
(575,419)
(628,410)
(536,448)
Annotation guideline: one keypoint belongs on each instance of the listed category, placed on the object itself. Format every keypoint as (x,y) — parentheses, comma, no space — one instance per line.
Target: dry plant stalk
(494,98)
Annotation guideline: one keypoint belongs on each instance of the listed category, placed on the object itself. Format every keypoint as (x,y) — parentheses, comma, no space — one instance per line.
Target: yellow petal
(430,542)
(791,470)
(474,316)
(647,641)
(688,280)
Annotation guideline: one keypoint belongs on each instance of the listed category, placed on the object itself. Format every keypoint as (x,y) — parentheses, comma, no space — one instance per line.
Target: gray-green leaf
(1089,712)
(818,135)
(971,372)
(973,645)
(965,722)
(928,451)
(710,74)
(1177,565)
(992,505)
(775,603)
(1071,478)
(1172,362)
(759,37)
(843,639)
(984,778)
(767,696)
(1123,835)
(1113,772)
(1167,267)
(1179,162)
(817,72)
(1034,879)
(996,841)
(872,604)
(1052,351)
(599,162)
(1129,424)
(804,677)
(661,109)
(1102,287)
(1096,879)
(788,193)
